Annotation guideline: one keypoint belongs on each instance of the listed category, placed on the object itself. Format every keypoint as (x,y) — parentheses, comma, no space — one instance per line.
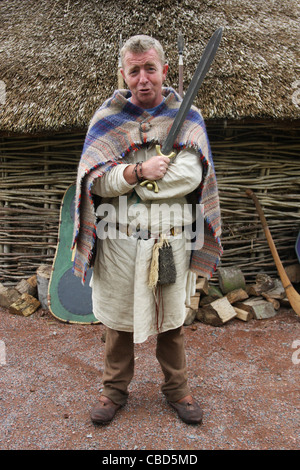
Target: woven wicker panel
(263,156)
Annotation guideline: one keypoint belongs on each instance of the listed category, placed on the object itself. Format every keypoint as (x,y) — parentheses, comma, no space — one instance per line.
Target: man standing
(119,156)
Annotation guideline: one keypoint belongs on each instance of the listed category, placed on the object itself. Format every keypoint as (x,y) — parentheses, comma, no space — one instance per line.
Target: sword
(201,70)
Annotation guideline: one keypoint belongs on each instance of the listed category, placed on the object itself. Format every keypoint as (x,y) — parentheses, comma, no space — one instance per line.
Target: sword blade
(202,68)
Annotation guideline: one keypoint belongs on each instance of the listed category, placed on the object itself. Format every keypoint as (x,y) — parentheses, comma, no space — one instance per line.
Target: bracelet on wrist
(141,170)
(140,177)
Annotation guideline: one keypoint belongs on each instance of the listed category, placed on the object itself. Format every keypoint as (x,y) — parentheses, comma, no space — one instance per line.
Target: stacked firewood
(28,295)
(213,304)
(216,304)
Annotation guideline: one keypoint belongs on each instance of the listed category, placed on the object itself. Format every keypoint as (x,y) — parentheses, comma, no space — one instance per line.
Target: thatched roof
(58,58)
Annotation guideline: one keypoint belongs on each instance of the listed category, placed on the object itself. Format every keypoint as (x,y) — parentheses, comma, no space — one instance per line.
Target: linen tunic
(124,263)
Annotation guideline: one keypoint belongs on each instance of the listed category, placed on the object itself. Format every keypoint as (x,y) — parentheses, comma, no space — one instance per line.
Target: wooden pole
(120,76)
(180,43)
(291,293)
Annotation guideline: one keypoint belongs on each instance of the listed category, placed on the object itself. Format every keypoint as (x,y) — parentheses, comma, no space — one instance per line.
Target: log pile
(21,299)
(211,304)
(28,295)
(233,298)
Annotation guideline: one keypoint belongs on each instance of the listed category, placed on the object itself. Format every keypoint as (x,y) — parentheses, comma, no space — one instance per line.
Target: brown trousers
(119,364)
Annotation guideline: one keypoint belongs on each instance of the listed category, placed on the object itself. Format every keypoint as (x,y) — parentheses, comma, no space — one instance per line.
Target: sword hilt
(152,185)
(159,152)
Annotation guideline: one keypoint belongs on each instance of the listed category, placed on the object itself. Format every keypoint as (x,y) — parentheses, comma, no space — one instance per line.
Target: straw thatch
(58,58)
(58,62)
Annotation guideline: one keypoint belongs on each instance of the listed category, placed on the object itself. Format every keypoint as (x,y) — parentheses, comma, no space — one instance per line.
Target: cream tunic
(122,299)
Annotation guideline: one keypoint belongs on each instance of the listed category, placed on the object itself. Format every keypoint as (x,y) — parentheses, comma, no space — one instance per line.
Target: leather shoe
(188,410)
(104,410)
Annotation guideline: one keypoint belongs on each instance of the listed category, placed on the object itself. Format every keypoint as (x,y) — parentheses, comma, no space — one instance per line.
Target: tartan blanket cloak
(119,127)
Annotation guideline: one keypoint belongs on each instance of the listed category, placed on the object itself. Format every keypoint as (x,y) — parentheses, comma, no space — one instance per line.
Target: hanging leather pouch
(162,269)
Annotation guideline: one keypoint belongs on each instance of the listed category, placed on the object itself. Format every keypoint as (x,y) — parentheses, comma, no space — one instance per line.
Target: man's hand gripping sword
(152,185)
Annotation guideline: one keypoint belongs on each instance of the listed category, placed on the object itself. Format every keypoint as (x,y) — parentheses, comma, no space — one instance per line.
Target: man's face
(144,75)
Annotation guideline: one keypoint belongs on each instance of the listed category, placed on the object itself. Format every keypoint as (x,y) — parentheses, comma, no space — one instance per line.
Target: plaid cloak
(119,127)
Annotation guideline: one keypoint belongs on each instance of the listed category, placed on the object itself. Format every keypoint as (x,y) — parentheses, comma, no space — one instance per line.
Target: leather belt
(145,234)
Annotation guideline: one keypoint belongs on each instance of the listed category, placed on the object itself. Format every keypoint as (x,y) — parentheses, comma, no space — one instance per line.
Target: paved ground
(246,376)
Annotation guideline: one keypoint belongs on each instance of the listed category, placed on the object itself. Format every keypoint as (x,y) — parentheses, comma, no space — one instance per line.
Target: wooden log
(210,318)
(24,286)
(278,291)
(285,303)
(202,286)
(194,301)
(32,281)
(43,275)
(274,302)
(217,312)
(190,315)
(293,273)
(237,295)
(231,279)
(263,283)
(259,307)
(242,314)
(214,293)
(8,295)
(26,305)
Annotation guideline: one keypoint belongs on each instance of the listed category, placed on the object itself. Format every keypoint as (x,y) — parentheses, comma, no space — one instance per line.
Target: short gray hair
(142,43)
